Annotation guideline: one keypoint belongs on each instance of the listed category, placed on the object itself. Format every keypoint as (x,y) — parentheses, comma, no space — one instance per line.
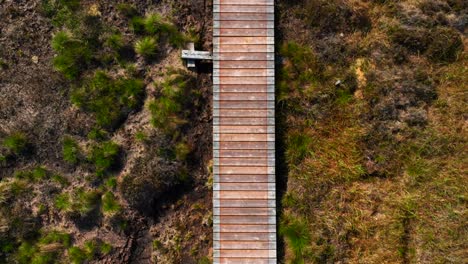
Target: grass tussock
(109,99)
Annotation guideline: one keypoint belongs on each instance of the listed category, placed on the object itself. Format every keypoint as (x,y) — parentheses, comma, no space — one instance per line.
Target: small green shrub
(106,248)
(114,42)
(85,202)
(16,142)
(70,150)
(111,183)
(166,109)
(35,175)
(72,54)
(104,156)
(89,251)
(297,235)
(155,24)
(298,147)
(109,99)
(110,204)
(141,136)
(127,10)
(63,202)
(137,24)
(77,255)
(146,47)
(47,249)
(152,23)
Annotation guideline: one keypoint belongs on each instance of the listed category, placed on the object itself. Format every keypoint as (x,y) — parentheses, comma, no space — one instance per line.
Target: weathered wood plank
(245,105)
(243,145)
(243,24)
(244,121)
(244,96)
(245,137)
(245,178)
(246,203)
(244,72)
(244,47)
(244,170)
(248,153)
(231,8)
(245,32)
(261,186)
(246,129)
(257,253)
(247,228)
(246,2)
(247,260)
(247,211)
(244,16)
(244,40)
(255,220)
(245,113)
(244,195)
(244,64)
(244,56)
(245,244)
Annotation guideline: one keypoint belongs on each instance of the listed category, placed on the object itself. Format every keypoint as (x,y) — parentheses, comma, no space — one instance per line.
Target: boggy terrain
(105,137)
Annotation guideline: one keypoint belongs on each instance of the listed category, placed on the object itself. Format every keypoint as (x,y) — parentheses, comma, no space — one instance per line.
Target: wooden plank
(245,211)
(244,32)
(244,56)
(246,229)
(249,153)
(245,64)
(244,72)
(243,40)
(260,186)
(245,113)
(243,170)
(244,121)
(246,2)
(243,195)
(244,24)
(245,47)
(244,137)
(245,129)
(246,203)
(253,236)
(244,178)
(244,161)
(246,105)
(243,145)
(245,244)
(251,220)
(230,8)
(244,96)
(244,16)
(244,88)
(246,260)
(257,253)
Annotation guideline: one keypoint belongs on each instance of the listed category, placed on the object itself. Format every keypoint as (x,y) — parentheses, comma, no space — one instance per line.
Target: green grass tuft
(104,155)
(70,150)
(108,98)
(297,236)
(146,47)
(16,143)
(110,204)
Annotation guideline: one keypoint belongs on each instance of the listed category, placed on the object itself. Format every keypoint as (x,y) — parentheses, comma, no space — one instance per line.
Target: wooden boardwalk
(244,202)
